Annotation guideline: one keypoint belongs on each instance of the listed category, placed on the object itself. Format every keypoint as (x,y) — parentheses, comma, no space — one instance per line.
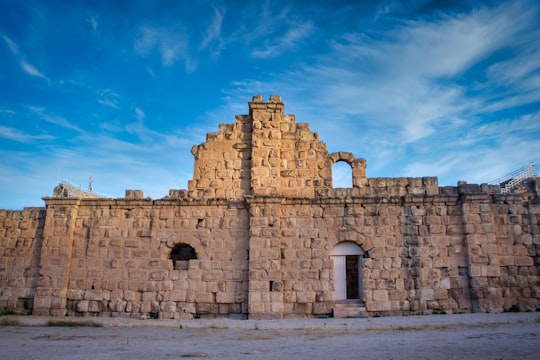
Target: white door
(353,277)
(340,278)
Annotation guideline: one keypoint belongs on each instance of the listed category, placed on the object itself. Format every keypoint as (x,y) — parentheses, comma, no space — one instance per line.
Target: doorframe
(338,255)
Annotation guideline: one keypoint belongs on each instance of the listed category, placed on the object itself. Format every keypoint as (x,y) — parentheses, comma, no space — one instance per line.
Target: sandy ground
(471,336)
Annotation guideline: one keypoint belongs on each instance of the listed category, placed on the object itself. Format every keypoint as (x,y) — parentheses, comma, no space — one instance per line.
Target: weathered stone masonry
(263,222)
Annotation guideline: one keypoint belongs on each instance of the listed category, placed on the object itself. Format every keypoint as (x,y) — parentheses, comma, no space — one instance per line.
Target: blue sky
(121,90)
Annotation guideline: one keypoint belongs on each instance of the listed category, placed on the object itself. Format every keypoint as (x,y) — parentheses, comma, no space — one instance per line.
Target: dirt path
(501,341)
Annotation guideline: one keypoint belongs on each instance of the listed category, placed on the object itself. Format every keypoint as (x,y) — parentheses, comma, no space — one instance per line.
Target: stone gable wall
(265,153)
(262,217)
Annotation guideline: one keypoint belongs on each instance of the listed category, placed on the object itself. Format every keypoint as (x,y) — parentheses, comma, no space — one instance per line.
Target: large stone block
(82,306)
(523,261)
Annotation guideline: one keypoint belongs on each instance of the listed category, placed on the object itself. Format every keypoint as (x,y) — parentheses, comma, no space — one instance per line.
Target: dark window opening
(180,256)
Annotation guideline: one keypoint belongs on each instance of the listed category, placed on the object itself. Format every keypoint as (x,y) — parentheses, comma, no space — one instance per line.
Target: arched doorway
(347,259)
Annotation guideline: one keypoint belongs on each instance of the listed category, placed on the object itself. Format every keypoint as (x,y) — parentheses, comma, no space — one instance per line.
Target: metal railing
(71,190)
(512,180)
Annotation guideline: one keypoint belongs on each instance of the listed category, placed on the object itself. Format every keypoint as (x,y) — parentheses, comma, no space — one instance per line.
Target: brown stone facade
(256,231)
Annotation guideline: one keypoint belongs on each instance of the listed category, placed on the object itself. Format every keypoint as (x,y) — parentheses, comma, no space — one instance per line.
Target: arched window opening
(342,175)
(180,256)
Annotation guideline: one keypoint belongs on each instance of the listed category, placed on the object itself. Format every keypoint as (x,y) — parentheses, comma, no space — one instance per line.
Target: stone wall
(262,219)
(119,258)
(439,254)
(21,235)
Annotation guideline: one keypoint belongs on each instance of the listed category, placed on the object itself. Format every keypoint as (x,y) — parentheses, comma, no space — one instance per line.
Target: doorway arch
(347,260)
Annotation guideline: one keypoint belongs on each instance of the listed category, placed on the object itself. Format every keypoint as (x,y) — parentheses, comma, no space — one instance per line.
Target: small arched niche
(180,256)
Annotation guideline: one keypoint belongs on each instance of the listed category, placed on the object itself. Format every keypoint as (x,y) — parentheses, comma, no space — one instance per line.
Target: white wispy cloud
(55,119)
(108,97)
(275,46)
(119,164)
(11,44)
(25,65)
(139,114)
(171,43)
(412,73)
(32,70)
(485,164)
(213,31)
(525,127)
(518,78)
(21,136)
(268,29)
(390,7)
(261,19)
(93,21)
(484,151)
(114,164)
(147,137)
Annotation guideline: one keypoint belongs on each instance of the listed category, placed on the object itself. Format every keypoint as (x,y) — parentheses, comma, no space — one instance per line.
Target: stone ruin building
(261,233)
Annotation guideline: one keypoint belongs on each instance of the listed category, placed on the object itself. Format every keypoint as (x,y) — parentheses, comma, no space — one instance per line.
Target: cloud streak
(55,119)
(93,21)
(25,66)
(290,40)
(171,43)
(108,97)
(32,70)
(11,44)
(213,31)
(20,136)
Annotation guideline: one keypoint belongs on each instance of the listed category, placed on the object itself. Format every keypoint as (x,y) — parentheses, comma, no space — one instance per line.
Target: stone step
(349,309)
(345,312)
(348,303)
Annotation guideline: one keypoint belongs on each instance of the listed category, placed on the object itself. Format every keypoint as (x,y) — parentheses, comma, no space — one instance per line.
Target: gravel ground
(471,336)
